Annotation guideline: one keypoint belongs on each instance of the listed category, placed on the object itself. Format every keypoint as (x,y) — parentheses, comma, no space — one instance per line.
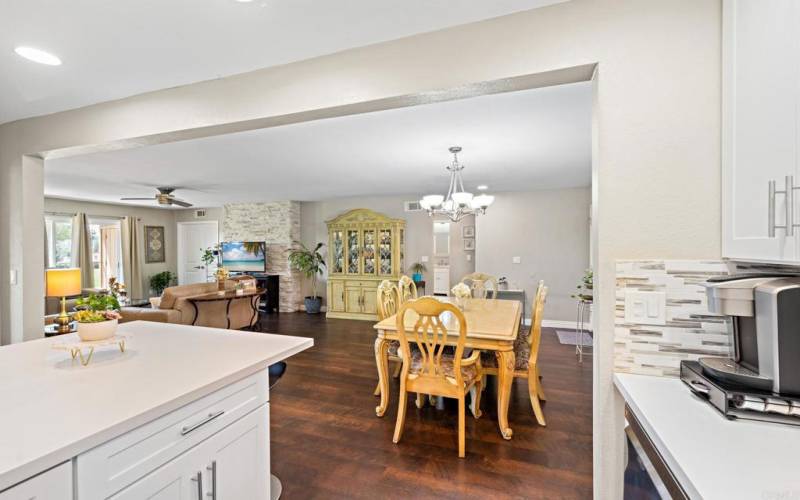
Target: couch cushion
(173,293)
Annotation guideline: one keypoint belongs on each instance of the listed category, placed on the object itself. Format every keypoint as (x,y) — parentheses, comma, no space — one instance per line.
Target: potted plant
(417,268)
(310,263)
(160,281)
(209,256)
(585,287)
(98,317)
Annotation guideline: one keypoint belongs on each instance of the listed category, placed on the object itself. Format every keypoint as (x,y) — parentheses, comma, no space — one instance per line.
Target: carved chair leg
(475,392)
(377,389)
(533,384)
(539,389)
(401,413)
(461,428)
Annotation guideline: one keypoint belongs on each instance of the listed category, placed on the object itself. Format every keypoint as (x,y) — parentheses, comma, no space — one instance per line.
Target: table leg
(254,307)
(505,372)
(228,314)
(382,361)
(196,312)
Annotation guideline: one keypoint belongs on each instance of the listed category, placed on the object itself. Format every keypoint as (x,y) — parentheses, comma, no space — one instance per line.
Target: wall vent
(413,206)
(199,214)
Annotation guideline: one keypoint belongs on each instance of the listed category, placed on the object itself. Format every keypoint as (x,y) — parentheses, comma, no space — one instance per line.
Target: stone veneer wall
(690,331)
(277,223)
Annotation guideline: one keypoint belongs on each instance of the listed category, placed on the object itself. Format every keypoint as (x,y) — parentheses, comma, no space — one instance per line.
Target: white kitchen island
(182,413)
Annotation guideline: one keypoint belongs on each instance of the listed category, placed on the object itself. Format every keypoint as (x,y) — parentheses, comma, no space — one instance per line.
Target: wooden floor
(328,443)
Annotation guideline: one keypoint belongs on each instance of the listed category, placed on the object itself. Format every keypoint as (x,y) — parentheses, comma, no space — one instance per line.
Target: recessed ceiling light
(483,187)
(38,56)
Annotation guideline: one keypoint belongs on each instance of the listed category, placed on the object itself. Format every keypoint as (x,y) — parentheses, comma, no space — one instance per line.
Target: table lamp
(63,283)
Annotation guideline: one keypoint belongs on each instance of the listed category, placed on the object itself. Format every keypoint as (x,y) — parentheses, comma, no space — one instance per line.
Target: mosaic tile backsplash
(690,331)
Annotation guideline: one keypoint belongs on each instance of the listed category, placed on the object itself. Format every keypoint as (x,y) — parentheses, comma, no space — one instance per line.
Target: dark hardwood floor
(328,443)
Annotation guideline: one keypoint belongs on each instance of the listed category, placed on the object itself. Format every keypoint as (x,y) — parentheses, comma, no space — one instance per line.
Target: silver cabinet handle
(788,193)
(213,470)
(198,478)
(211,416)
(789,205)
(771,210)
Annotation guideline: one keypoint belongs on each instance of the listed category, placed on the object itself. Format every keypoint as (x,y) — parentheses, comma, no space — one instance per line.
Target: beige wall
(656,137)
(146,216)
(549,230)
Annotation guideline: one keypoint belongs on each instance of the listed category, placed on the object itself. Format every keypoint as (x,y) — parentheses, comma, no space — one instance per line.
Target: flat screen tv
(244,256)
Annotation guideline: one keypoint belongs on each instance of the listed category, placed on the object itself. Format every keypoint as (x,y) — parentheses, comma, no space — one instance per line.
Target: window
(59,240)
(106,250)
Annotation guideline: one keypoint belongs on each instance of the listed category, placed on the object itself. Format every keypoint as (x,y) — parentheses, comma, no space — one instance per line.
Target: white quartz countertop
(713,457)
(52,408)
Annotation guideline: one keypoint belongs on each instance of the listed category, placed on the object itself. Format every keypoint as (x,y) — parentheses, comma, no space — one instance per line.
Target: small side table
(420,284)
(52,330)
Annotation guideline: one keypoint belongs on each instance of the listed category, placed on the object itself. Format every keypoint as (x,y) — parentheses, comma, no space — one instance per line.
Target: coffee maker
(762,379)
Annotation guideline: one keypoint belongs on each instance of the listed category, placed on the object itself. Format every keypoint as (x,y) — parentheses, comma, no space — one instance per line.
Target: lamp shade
(63,282)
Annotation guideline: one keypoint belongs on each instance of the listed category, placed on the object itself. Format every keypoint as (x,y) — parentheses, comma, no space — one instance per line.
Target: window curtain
(132,258)
(82,249)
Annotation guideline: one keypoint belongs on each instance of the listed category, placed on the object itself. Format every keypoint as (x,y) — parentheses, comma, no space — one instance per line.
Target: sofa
(174,307)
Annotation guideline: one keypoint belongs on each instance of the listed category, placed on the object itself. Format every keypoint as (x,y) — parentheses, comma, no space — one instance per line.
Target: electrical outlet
(516,260)
(645,308)
(469,257)
(424,258)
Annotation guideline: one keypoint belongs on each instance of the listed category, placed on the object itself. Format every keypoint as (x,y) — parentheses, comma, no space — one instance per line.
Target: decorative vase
(97,331)
(461,303)
(220,285)
(417,277)
(313,304)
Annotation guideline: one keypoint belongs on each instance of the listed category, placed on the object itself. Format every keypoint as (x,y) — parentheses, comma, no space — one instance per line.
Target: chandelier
(458,203)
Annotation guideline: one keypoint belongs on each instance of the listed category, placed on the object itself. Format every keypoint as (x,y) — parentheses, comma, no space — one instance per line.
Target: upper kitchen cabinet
(760,93)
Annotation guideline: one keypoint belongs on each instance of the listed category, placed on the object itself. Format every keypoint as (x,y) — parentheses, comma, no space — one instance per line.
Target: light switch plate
(12,278)
(516,260)
(424,258)
(645,308)
(469,257)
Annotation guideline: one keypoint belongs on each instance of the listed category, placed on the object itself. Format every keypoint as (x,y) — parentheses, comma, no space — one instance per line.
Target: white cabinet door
(240,466)
(55,484)
(759,139)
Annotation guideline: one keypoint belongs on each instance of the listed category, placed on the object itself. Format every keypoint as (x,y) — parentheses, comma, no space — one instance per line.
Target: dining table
(492,325)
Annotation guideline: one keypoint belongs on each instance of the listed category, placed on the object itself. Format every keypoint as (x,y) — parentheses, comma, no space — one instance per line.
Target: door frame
(181,227)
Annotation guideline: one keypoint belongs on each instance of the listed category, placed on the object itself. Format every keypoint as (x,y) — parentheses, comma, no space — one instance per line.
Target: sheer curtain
(82,249)
(132,257)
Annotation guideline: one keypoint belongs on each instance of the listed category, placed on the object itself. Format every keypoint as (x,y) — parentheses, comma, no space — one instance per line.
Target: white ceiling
(116,48)
(534,139)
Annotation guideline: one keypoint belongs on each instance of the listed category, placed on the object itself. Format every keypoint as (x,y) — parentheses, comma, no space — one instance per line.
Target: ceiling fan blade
(149,199)
(180,203)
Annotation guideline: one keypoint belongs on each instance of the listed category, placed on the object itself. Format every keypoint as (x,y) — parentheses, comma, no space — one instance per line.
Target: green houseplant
(97,317)
(585,287)
(417,268)
(310,263)
(160,281)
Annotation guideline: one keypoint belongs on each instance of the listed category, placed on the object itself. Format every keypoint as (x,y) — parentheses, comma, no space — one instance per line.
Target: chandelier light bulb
(482,201)
(431,201)
(462,198)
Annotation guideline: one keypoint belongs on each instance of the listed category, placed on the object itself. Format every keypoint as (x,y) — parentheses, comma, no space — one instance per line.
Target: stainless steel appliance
(762,379)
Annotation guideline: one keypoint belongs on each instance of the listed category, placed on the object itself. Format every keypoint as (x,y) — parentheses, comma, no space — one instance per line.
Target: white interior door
(193,237)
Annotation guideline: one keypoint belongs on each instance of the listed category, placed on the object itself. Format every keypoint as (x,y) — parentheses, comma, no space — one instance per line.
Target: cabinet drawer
(111,466)
(359,284)
(55,484)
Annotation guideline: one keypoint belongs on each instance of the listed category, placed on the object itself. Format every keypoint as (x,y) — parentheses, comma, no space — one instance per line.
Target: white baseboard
(556,323)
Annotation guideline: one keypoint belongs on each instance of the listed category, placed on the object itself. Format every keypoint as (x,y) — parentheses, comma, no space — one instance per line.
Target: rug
(570,337)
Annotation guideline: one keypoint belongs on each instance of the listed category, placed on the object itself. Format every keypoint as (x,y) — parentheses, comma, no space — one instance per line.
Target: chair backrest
(536,322)
(388,299)
(429,334)
(407,289)
(480,284)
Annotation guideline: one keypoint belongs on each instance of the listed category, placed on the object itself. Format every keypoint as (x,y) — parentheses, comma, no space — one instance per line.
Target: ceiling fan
(164,197)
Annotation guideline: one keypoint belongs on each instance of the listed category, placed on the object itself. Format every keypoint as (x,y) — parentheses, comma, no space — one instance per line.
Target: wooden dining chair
(406,289)
(526,351)
(481,284)
(388,303)
(427,369)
